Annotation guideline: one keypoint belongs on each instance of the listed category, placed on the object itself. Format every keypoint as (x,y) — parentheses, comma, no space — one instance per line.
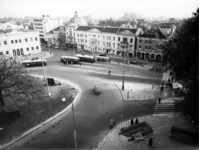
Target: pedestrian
(109,72)
(172,78)
(162,88)
(159,100)
(132,121)
(111,123)
(169,80)
(136,121)
(151,140)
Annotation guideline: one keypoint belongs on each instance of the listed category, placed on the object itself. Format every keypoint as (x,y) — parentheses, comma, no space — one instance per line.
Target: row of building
(16,41)
(112,40)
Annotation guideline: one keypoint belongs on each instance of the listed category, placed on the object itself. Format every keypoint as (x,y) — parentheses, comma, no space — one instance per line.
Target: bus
(70,59)
(85,58)
(34,63)
(102,58)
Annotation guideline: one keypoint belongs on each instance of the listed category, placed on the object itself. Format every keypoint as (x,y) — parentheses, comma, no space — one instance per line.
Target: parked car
(97,90)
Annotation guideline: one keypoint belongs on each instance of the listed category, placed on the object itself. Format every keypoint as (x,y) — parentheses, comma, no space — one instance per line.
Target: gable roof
(106,29)
(150,34)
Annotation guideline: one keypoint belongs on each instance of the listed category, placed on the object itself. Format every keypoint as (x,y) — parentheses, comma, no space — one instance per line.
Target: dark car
(97,90)
(133,62)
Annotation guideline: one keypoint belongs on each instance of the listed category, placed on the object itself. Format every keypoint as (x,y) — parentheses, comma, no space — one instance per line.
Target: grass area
(34,113)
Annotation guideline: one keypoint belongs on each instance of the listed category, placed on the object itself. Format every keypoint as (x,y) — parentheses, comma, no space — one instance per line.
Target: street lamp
(125,52)
(45,78)
(154,73)
(74,129)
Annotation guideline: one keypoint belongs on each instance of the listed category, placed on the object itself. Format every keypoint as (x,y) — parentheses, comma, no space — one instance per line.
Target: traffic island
(37,113)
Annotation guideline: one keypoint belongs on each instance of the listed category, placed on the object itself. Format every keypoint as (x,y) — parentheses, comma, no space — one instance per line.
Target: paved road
(92,113)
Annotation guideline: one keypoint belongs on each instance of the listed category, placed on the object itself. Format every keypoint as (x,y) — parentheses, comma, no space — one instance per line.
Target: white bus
(102,58)
(69,59)
(85,58)
(34,63)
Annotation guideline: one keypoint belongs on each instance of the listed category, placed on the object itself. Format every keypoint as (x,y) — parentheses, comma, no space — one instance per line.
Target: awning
(176,85)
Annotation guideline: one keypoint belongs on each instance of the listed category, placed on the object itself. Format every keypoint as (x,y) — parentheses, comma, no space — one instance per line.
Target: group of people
(136,121)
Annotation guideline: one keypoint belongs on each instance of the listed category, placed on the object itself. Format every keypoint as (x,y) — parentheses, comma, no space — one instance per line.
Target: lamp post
(74,129)
(154,74)
(126,45)
(45,78)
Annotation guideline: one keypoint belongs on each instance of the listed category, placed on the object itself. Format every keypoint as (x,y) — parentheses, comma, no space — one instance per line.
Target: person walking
(151,141)
(132,121)
(109,72)
(111,123)
(159,100)
(136,121)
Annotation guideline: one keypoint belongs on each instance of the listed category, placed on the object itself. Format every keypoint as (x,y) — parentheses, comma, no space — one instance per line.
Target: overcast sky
(98,8)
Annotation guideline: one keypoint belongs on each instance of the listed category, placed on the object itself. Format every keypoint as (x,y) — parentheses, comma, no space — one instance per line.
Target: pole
(75,136)
(154,75)
(49,48)
(45,78)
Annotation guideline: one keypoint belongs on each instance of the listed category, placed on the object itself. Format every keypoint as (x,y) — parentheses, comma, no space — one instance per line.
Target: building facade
(19,43)
(107,39)
(46,24)
(148,45)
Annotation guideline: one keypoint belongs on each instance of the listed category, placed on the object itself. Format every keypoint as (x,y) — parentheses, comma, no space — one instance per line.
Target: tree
(183,58)
(15,83)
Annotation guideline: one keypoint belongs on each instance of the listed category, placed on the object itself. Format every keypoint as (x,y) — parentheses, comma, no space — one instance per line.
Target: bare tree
(15,83)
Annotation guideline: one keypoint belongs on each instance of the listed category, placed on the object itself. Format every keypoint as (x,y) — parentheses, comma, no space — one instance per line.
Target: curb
(48,120)
(128,100)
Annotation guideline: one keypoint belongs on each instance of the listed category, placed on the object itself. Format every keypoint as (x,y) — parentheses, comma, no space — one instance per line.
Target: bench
(183,134)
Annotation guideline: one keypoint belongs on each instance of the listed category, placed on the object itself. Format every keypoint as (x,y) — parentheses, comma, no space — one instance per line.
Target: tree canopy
(15,83)
(182,55)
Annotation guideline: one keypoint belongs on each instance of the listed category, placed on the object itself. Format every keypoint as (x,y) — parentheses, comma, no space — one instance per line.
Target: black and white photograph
(99,74)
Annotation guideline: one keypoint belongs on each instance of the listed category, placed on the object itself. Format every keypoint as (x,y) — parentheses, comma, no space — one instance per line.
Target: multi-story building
(107,39)
(46,24)
(148,44)
(19,43)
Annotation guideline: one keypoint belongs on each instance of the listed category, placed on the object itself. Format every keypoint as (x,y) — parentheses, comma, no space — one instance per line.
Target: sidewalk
(161,124)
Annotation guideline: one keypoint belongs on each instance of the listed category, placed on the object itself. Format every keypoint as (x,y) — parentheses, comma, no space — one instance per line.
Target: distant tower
(76,14)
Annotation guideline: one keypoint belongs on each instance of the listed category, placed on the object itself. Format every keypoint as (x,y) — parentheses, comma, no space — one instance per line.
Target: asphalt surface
(92,113)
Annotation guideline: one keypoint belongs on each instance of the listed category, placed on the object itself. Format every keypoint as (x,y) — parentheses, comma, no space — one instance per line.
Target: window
(150,42)
(12,41)
(78,35)
(131,40)
(26,40)
(113,38)
(86,41)
(98,36)
(27,49)
(35,39)
(18,52)
(104,43)
(31,39)
(5,42)
(149,47)
(146,47)
(140,41)
(19,40)
(37,47)
(85,35)
(118,38)
(146,41)
(32,48)
(1,53)
(140,46)
(109,37)
(16,41)
(113,45)
(103,37)
(109,44)
(7,52)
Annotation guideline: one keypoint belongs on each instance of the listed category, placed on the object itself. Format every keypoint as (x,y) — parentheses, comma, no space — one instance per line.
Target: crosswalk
(164,107)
